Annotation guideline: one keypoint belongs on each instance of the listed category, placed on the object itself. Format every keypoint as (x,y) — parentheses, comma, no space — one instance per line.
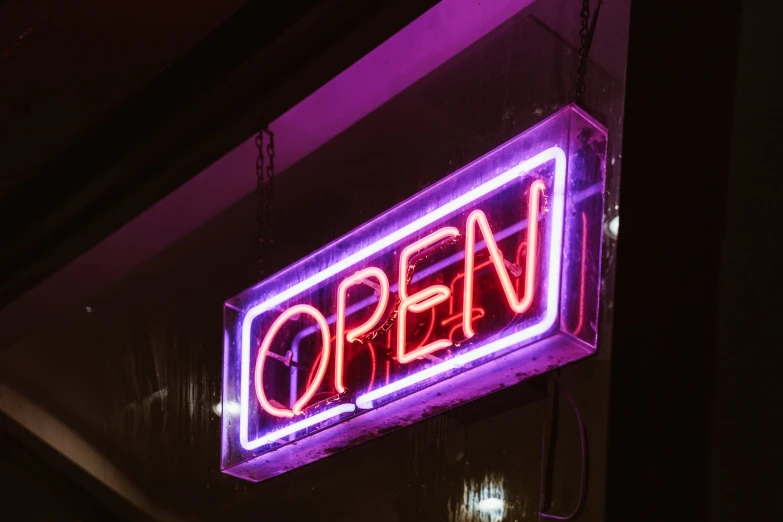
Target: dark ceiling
(67,66)
(106,107)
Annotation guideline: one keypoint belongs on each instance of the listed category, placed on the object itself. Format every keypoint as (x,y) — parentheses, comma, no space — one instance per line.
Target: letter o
(262,354)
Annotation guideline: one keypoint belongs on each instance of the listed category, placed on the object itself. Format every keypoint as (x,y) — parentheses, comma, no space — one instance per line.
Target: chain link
(265,192)
(270,191)
(260,210)
(586,33)
(581,70)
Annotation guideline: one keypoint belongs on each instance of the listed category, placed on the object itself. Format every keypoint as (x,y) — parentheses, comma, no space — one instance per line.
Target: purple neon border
(555,254)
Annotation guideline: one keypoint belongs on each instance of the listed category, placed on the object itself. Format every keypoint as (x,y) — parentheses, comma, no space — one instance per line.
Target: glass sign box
(482,280)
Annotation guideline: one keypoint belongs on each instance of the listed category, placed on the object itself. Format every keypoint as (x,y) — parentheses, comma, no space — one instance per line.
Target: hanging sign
(484,279)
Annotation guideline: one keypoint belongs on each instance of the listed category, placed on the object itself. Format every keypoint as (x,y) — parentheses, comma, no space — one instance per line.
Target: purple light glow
(543,153)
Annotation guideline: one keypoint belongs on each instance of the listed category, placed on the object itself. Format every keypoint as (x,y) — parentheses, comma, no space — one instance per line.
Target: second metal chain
(265,176)
(270,196)
(581,69)
(586,32)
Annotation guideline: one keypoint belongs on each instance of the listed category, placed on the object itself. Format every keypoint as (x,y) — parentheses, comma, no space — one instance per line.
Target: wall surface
(746,455)
(134,370)
(32,489)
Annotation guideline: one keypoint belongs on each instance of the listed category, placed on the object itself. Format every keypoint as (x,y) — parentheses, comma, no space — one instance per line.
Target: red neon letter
(352,335)
(477,217)
(582,277)
(262,353)
(422,300)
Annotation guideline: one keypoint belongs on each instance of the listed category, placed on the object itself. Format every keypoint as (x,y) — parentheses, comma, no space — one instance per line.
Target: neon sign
(486,278)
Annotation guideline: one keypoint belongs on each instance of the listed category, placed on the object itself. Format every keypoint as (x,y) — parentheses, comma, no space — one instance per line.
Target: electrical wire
(583,439)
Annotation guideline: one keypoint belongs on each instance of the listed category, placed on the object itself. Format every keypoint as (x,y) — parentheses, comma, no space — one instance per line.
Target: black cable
(550,457)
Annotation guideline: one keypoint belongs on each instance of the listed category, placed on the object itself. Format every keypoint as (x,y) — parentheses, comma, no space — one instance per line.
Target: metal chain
(261,196)
(586,33)
(265,192)
(270,194)
(581,70)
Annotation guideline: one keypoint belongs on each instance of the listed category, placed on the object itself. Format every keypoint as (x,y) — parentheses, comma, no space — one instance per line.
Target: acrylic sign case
(448,296)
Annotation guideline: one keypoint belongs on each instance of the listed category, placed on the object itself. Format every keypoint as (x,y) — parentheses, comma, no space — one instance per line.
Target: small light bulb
(490,504)
(614,226)
(232,408)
